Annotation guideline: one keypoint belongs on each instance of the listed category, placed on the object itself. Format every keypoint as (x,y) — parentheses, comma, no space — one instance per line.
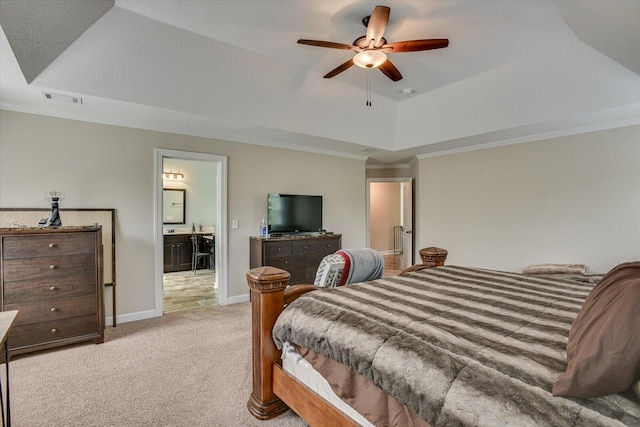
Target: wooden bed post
(267,302)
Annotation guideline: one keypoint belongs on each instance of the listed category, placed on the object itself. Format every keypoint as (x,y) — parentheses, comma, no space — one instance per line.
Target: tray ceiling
(514,71)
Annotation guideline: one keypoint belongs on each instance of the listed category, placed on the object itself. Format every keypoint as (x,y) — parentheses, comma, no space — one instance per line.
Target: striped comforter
(459,346)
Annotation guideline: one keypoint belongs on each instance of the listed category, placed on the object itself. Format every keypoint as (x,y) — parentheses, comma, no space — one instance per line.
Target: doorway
(198,203)
(390,220)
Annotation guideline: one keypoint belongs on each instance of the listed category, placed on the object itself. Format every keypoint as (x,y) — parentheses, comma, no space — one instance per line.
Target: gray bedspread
(459,346)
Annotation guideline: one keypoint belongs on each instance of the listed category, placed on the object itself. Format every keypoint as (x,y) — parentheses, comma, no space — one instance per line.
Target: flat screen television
(293,213)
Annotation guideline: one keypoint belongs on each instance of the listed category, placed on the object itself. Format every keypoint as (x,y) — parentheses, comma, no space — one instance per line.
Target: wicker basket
(433,255)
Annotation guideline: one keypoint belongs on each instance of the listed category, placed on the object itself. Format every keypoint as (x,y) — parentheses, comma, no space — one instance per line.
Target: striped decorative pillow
(329,271)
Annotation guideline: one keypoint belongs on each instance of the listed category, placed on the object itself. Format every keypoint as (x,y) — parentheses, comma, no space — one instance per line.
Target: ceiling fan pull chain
(368,88)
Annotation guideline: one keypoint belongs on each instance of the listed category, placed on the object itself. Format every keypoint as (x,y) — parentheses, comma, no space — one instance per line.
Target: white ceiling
(514,70)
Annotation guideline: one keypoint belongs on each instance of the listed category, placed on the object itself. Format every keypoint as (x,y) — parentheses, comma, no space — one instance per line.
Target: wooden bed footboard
(274,391)
(306,403)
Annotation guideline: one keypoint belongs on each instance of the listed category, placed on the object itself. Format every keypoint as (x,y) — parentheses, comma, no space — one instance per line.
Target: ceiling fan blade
(339,69)
(390,70)
(330,45)
(416,45)
(377,24)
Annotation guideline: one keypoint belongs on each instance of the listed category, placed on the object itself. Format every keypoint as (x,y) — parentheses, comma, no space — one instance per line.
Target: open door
(219,229)
(390,219)
(407,223)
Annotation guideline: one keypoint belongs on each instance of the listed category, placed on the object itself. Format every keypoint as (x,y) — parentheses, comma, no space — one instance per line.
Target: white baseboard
(148,314)
(389,252)
(131,317)
(238,299)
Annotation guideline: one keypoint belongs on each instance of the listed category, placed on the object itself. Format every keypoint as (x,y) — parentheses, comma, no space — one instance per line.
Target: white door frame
(222,267)
(406,201)
(368,204)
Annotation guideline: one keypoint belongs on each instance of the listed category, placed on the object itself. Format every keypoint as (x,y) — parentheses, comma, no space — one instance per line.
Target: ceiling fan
(372,48)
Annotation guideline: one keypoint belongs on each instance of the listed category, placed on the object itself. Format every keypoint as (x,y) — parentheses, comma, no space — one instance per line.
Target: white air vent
(62,98)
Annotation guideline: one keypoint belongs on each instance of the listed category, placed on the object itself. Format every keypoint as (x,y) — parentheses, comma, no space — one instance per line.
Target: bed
(451,345)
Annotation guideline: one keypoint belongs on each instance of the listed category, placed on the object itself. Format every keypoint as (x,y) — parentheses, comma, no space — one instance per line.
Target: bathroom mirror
(173,205)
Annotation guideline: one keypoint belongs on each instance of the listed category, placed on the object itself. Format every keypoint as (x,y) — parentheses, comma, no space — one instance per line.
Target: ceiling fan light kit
(372,48)
(370,59)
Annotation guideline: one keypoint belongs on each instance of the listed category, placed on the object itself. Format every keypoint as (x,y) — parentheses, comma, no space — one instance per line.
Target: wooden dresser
(300,256)
(54,278)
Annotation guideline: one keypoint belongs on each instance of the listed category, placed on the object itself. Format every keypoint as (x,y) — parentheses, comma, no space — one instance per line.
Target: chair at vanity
(198,254)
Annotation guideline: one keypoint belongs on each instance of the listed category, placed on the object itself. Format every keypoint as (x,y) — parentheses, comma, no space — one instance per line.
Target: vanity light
(173,176)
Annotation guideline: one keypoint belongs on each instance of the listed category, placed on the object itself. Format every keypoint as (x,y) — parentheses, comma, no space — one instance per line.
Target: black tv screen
(294,213)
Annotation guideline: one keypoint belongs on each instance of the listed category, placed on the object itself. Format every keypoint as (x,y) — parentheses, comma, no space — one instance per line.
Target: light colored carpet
(188,368)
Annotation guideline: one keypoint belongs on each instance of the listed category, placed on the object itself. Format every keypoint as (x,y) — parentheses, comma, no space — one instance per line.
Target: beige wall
(388,172)
(573,199)
(100,166)
(200,187)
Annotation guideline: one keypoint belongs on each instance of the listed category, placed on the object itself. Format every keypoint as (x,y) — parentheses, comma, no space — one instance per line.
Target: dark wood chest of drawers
(300,256)
(53,277)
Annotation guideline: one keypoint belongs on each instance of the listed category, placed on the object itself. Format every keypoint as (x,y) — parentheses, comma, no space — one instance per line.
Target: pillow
(329,271)
(555,269)
(361,265)
(603,351)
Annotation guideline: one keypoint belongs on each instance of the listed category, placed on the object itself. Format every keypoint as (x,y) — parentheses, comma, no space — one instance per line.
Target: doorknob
(409,231)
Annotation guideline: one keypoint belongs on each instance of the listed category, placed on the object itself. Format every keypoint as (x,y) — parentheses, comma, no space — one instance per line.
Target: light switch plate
(234,223)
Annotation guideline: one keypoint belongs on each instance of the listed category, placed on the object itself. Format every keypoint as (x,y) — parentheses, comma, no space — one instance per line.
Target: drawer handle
(52,267)
(52,245)
(53,309)
(53,288)
(54,331)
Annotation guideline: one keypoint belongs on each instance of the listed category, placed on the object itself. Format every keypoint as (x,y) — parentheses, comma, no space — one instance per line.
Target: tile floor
(184,290)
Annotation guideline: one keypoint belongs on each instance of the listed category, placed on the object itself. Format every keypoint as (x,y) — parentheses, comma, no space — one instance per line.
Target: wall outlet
(234,223)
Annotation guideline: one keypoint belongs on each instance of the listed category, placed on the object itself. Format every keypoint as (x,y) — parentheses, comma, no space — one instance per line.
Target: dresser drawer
(285,262)
(300,256)
(44,289)
(298,276)
(305,246)
(47,245)
(49,268)
(313,260)
(328,246)
(47,332)
(277,249)
(57,309)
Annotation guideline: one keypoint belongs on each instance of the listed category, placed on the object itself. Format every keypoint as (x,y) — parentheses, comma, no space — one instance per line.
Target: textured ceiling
(514,70)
